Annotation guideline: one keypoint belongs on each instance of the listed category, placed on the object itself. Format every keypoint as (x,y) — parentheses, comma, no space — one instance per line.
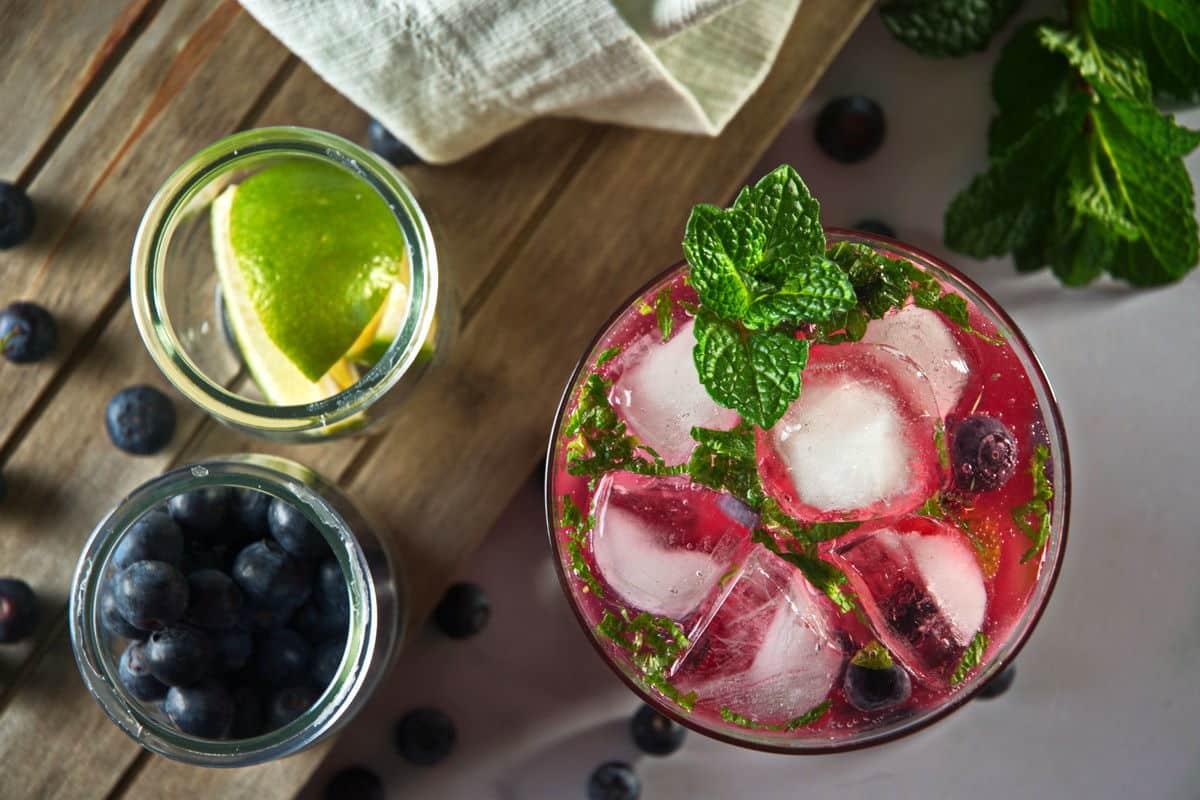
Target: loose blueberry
(205,710)
(983,454)
(850,129)
(294,532)
(331,591)
(425,736)
(28,333)
(357,782)
(140,420)
(875,226)
(270,578)
(283,658)
(179,656)
(614,780)
(248,713)
(288,704)
(231,649)
(250,510)
(202,511)
(874,689)
(385,144)
(18,610)
(325,664)
(154,537)
(318,623)
(1000,684)
(463,611)
(655,734)
(135,675)
(16,215)
(151,594)
(214,600)
(110,616)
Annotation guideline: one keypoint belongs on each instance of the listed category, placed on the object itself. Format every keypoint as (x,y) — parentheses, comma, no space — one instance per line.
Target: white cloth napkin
(449,76)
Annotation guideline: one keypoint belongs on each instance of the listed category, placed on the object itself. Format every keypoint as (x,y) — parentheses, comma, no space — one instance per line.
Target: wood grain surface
(541,236)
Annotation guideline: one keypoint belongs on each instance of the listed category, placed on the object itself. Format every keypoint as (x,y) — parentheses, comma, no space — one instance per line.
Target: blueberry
(385,144)
(983,454)
(283,658)
(198,555)
(270,578)
(318,623)
(248,713)
(28,333)
(205,710)
(874,689)
(614,780)
(999,684)
(250,510)
(268,619)
(231,649)
(875,226)
(325,664)
(463,611)
(140,420)
(331,591)
(110,616)
(850,129)
(202,511)
(655,734)
(16,215)
(357,782)
(154,537)
(294,532)
(425,736)
(214,600)
(18,610)
(135,675)
(288,704)
(150,594)
(179,656)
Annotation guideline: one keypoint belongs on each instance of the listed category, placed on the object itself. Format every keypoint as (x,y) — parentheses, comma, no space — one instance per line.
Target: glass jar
(378,610)
(178,307)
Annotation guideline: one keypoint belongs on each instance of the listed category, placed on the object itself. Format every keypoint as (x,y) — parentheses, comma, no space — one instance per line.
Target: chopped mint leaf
(725,460)
(809,717)
(971,658)
(596,440)
(607,356)
(803,555)
(729,573)
(790,216)
(939,441)
(577,526)
(662,309)
(1033,518)
(654,645)
(815,290)
(873,656)
(719,245)
(946,28)
(932,508)
(880,283)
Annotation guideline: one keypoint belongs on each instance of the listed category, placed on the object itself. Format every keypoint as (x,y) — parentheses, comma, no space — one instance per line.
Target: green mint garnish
(725,460)
(662,309)
(729,573)
(945,28)
(939,441)
(970,659)
(873,656)
(1166,34)
(1033,518)
(607,356)
(654,644)
(803,555)
(597,440)
(576,526)
(814,714)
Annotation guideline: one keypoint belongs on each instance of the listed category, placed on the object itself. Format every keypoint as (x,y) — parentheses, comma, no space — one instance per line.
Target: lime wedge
(280,380)
(316,252)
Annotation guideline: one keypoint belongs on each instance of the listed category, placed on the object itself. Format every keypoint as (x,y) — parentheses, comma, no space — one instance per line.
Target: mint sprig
(654,645)
(970,658)
(802,553)
(946,28)
(1033,517)
(597,440)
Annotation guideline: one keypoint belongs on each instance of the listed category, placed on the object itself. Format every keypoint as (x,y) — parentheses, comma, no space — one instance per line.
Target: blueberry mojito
(807,490)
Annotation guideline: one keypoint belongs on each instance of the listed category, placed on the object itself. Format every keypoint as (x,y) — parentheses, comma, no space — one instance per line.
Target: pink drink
(733,639)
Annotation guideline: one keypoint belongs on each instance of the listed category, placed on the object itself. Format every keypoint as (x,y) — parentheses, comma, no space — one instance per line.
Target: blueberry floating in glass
(463,611)
(614,780)
(656,734)
(17,216)
(850,129)
(134,674)
(151,594)
(205,710)
(983,453)
(355,782)
(19,610)
(154,537)
(28,332)
(385,144)
(999,684)
(140,420)
(425,736)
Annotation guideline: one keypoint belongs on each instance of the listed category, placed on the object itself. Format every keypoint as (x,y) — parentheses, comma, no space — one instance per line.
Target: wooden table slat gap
(268,93)
(29,665)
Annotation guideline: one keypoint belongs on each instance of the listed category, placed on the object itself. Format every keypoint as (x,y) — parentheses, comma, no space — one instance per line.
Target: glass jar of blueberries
(234,611)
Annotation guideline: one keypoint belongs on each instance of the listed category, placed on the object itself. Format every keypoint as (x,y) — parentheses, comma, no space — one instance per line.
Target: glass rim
(150,256)
(1022,629)
(97,666)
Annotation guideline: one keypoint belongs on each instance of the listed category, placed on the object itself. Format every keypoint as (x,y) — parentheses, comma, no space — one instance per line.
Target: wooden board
(541,235)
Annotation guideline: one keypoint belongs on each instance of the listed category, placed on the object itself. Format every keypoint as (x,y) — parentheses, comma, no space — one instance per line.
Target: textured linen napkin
(449,76)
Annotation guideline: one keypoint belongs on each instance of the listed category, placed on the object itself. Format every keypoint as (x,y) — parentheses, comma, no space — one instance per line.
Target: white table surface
(1107,698)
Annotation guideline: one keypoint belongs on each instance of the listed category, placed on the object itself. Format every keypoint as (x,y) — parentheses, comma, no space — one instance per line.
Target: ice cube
(942,353)
(922,589)
(859,443)
(662,544)
(660,397)
(771,651)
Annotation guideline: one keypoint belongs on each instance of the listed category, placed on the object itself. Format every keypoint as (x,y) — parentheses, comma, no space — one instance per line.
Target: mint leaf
(663,310)
(718,245)
(946,28)
(577,526)
(1123,73)
(596,440)
(654,645)
(1029,83)
(814,714)
(873,655)
(607,356)
(1033,517)
(790,216)
(812,293)
(971,658)
(726,460)
(1165,32)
